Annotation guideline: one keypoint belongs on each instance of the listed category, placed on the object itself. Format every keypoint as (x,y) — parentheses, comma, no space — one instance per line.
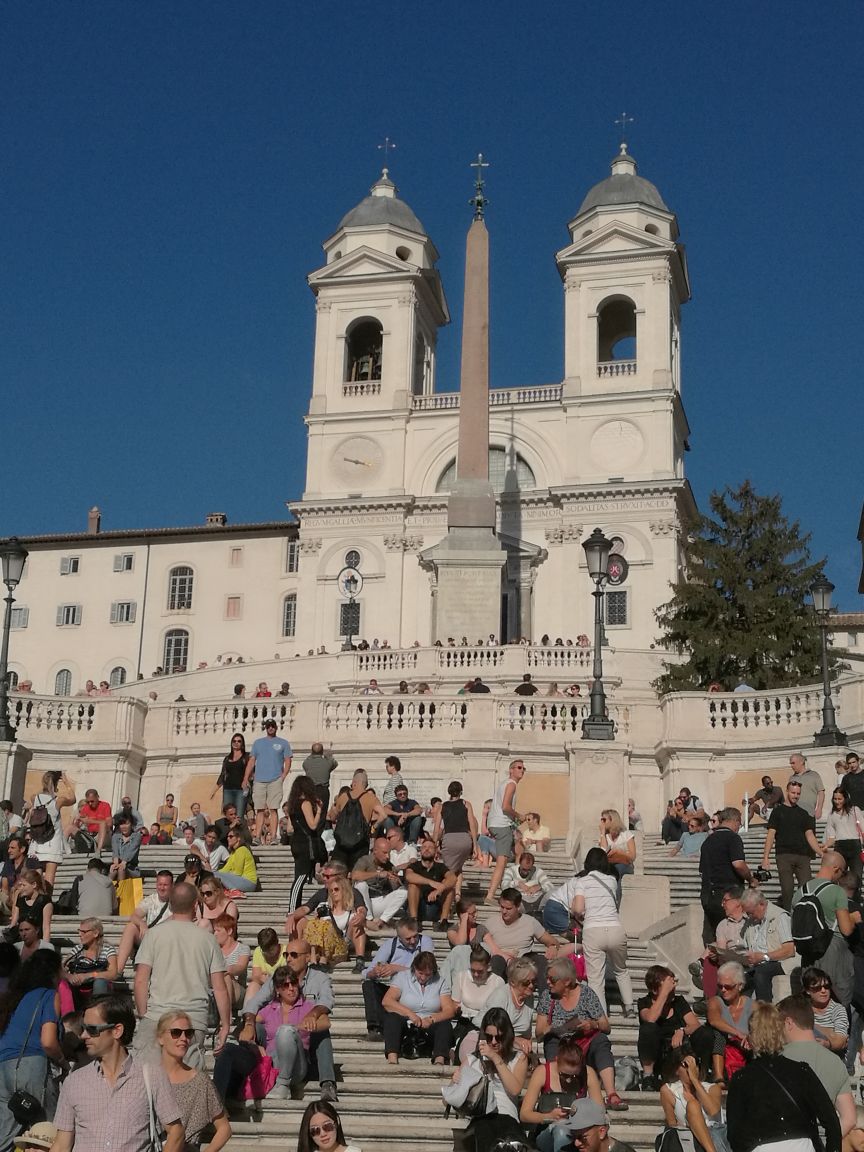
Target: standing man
(106,1104)
(176,968)
(500,822)
(270,760)
(812,789)
(837,959)
(793,830)
(319,766)
(721,866)
(853,780)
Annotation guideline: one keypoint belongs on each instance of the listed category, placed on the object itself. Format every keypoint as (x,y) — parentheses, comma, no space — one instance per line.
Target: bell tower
(379,305)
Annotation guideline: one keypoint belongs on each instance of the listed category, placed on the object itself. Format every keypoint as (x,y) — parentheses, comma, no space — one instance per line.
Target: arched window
(363,347)
(616,330)
(289,615)
(63,683)
(508,472)
(175,657)
(12,679)
(118,676)
(180,584)
(420,383)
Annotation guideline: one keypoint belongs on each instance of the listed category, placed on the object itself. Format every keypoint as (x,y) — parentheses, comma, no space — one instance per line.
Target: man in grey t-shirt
(319,766)
(812,788)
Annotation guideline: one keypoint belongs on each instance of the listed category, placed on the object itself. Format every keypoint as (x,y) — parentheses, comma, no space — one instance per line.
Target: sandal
(615,1104)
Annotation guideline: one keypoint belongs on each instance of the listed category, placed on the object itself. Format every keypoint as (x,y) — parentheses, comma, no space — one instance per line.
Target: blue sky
(171,169)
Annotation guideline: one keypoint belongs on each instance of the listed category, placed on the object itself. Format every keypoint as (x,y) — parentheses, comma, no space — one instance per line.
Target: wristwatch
(765,954)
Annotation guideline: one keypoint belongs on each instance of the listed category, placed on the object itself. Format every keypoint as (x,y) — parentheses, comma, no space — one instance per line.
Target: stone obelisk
(469,560)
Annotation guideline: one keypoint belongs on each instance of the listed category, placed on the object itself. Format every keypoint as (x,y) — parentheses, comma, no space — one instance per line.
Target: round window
(352,559)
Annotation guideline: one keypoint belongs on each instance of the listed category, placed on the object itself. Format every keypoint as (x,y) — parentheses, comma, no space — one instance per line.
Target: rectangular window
(349,619)
(292,556)
(68,614)
(232,607)
(20,617)
(289,615)
(616,609)
(123,612)
(69,565)
(124,562)
(235,557)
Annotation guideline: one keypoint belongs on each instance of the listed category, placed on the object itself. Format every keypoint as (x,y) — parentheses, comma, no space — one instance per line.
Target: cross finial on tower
(478,201)
(624,120)
(386,147)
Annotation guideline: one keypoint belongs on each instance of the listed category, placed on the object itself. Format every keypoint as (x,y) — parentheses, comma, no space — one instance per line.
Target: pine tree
(739,612)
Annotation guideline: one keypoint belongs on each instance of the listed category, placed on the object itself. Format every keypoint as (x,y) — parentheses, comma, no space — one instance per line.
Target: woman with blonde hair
(57,793)
(617,841)
(335,924)
(213,902)
(777,1102)
(196,1097)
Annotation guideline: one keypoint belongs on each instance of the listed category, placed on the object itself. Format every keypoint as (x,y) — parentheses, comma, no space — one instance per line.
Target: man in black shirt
(526,688)
(721,866)
(853,781)
(430,887)
(792,832)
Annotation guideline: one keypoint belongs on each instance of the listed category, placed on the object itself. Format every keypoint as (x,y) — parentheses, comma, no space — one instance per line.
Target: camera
(762,875)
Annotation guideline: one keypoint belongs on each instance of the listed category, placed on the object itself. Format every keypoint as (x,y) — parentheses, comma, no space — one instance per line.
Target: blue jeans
(32,1076)
(556,918)
(289,1055)
(552,1138)
(235,796)
(412,828)
(232,880)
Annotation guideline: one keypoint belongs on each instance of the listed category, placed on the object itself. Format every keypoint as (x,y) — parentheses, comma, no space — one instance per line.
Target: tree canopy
(738,612)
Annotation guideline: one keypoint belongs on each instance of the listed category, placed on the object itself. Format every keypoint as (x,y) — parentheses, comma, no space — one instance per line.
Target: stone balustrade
(498,397)
(362,388)
(611,368)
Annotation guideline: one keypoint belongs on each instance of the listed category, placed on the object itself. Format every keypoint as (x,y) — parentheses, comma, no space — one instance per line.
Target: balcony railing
(616,368)
(362,388)
(498,397)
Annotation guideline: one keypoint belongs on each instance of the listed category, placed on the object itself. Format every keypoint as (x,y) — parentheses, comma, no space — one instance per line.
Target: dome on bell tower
(382,206)
(623,186)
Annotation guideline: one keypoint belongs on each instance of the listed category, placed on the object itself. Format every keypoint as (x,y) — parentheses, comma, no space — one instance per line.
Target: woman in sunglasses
(214,902)
(196,1097)
(321,1130)
(505,1068)
(728,1013)
(830,1017)
(554,1086)
(288,1023)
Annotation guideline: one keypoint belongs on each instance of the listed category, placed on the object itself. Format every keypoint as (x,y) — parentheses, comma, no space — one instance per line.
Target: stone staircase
(401,1108)
(381,1106)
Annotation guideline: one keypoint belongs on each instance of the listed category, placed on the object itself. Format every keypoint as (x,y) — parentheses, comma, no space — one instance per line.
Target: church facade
(604,447)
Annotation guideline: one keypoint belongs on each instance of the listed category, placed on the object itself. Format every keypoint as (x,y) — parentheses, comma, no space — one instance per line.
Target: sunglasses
(491,1039)
(96,1029)
(726,987)
(295,955)
(820,987)
(207,892)
(176,1033)
(322,1129)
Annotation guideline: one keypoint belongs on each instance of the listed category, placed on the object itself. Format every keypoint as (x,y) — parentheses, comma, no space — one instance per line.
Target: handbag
(24,1106)
(860,839)
(155,1143)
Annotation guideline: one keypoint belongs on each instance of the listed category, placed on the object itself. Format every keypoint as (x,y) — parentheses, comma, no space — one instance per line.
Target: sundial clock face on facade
(358,460)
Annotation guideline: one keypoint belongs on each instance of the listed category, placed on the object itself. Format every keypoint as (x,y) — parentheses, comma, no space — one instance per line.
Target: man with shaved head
(836,960)
(176,968)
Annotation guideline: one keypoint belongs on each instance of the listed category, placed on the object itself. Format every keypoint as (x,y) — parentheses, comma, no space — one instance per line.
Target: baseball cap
(271,723)
(40,1135)
(585,1113)
(191,859)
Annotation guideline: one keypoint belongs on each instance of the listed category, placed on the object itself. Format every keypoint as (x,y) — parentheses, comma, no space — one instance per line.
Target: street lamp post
(13,556)
(598,726)
(829,735)
(350,583)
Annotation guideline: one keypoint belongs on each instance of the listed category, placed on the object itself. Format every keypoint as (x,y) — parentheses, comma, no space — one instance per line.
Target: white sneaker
(279,1091)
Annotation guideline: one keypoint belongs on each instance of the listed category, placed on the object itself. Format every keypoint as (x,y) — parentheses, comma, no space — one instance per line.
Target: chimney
(94,521)
(216,520)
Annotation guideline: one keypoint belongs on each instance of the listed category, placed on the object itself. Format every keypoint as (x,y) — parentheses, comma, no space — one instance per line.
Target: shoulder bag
(155,1137)
(24,1106)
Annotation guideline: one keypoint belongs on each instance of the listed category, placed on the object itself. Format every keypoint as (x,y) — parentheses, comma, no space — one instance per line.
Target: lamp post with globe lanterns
(13,555)
(829,735)
(598,726)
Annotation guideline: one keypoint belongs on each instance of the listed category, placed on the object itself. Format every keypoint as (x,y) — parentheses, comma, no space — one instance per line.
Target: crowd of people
(105,1042)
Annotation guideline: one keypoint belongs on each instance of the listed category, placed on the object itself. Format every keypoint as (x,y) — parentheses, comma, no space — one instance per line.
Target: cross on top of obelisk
(478,201)
(624,120)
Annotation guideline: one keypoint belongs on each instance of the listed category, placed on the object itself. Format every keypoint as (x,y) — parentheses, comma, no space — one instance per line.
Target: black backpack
(810,930)
(351,828)
(40,824)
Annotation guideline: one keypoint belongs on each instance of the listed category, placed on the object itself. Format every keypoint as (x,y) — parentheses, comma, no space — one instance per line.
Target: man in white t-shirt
(153,909)
(500,822)
(191,844)
(216,852)
(401,854)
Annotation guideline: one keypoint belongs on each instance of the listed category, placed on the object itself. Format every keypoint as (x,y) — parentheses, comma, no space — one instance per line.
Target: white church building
(604,447)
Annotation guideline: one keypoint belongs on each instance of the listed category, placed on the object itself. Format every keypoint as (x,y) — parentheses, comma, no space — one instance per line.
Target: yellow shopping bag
(129,894)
